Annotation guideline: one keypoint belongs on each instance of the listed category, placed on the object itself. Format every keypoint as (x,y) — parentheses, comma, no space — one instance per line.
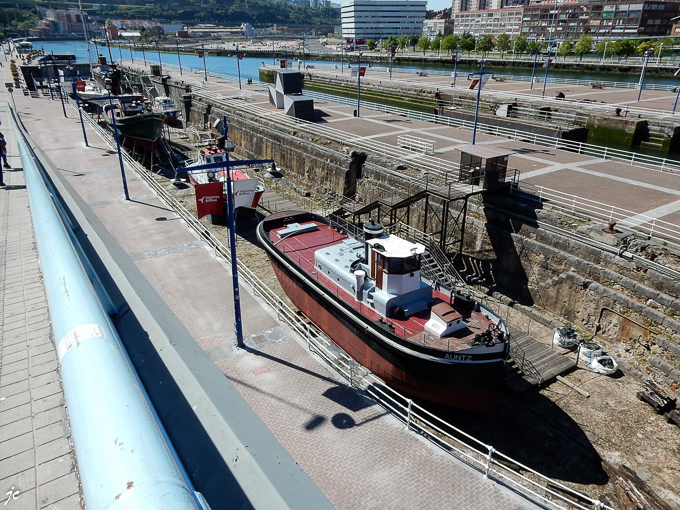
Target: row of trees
(621,48)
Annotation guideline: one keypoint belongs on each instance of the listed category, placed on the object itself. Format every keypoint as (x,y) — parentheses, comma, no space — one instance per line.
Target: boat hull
(142,130)
(470,384)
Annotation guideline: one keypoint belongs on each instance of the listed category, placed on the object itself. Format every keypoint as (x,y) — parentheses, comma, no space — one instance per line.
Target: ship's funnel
(372,229)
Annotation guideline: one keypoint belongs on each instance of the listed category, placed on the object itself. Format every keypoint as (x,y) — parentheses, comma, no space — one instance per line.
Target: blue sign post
(533,70)
(648,53)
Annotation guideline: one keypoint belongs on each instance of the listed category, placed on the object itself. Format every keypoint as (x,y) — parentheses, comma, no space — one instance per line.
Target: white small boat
(247,191)
(164,105)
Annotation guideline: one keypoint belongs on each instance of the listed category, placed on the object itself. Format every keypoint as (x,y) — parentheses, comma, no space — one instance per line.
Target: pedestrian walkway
(37,465)
(358,455)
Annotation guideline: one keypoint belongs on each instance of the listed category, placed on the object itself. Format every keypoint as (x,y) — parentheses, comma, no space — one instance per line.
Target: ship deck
(300,249)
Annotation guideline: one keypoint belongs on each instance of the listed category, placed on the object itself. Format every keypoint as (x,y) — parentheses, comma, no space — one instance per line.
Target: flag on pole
(355,73)
(394,52)
(481,82)
(547,62)
(200,54)
(240,56)
(362,71)
(453,59)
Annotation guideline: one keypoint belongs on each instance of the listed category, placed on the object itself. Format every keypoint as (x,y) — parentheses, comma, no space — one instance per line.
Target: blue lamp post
(455,66)
(480,84)
(359,84)
(642,74)
(231,220)
(533,70)
(115,135)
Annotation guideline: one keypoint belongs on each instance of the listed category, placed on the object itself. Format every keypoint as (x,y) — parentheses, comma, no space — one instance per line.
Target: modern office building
(379,19)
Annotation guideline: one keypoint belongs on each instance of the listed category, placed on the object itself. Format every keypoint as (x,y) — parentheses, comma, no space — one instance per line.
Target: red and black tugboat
(367,295)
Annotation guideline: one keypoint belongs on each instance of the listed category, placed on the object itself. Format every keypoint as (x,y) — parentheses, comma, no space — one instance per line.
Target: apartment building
(489,21)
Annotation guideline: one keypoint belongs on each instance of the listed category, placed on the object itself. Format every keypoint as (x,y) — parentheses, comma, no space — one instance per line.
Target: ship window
(412,264)
(395,266)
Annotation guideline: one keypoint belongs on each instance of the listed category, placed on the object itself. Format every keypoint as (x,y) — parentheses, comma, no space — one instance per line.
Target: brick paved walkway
(37,466)
(357,453)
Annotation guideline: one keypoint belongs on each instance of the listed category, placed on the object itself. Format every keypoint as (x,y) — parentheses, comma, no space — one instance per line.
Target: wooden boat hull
(470,383)
(142,130)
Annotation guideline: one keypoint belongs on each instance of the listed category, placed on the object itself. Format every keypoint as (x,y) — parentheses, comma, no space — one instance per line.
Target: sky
(438,5)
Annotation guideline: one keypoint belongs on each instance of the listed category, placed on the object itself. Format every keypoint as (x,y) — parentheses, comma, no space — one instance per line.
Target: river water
(249,68)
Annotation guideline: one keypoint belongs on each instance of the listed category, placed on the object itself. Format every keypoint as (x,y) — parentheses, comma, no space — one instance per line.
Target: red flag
(283,63)
(80,85)
(362,71)
(453,59)
(394,52)
(240,56)
(200,54)
(210,199)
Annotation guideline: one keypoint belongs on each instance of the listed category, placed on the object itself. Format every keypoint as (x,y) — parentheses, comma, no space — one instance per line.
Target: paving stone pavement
(37,465)
(353,449)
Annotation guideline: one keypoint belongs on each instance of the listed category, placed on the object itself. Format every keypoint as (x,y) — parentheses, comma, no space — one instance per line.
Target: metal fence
(648,226)
(480,456)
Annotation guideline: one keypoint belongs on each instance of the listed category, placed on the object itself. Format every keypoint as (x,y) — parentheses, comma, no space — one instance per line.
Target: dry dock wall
(553,278)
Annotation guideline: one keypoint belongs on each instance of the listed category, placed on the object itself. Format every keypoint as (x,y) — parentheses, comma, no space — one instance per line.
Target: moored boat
(246,190)
(368,296)
(164,105)
(140,130)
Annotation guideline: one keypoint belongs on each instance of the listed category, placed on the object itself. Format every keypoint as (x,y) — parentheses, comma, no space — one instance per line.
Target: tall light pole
(604,53)
(533,70)
(231,220)
(513,48)
(392,50)
(359,84)
(178,59)
(205,68)
(160,64)
(550,42)
(455,66)
(658,58)
(342,57)
(480,84)
(648,53)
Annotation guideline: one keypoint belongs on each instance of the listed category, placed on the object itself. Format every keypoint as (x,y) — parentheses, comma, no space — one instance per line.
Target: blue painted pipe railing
(124,457)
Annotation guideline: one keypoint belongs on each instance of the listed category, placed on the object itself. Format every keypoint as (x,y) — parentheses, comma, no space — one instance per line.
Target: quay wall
(506,251)
(614,127)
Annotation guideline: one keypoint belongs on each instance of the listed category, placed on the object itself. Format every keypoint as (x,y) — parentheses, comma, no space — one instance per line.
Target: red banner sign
(210,199)
(283,63)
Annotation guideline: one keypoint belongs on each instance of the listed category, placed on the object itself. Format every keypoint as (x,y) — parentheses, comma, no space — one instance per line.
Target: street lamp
(115,136)
(178,59)
(513,48)
(648,54)
(455,66)
(658,58)
(604,53)
(358,70)
(392,50)
(480,84)
(533,70)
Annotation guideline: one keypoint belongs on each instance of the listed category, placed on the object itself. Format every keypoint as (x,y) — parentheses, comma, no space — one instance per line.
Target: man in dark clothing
(3,154)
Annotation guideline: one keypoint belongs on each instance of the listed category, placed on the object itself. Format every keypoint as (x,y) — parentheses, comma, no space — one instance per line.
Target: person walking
(3,154)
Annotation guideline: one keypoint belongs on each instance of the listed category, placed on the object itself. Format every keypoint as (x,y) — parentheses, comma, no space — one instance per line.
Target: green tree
(503,43)
(603,46)
(565,48)
(413,41)
(449,43)
(403,42)
(467,45)
(486,44)
(520,43)
(424,44)
(391,42)
(623,48)
(663,46)
(583,45)
(436,44)
(371,44)
(532,47)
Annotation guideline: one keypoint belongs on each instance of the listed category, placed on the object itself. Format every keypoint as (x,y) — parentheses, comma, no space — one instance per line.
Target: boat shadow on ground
(534,432)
